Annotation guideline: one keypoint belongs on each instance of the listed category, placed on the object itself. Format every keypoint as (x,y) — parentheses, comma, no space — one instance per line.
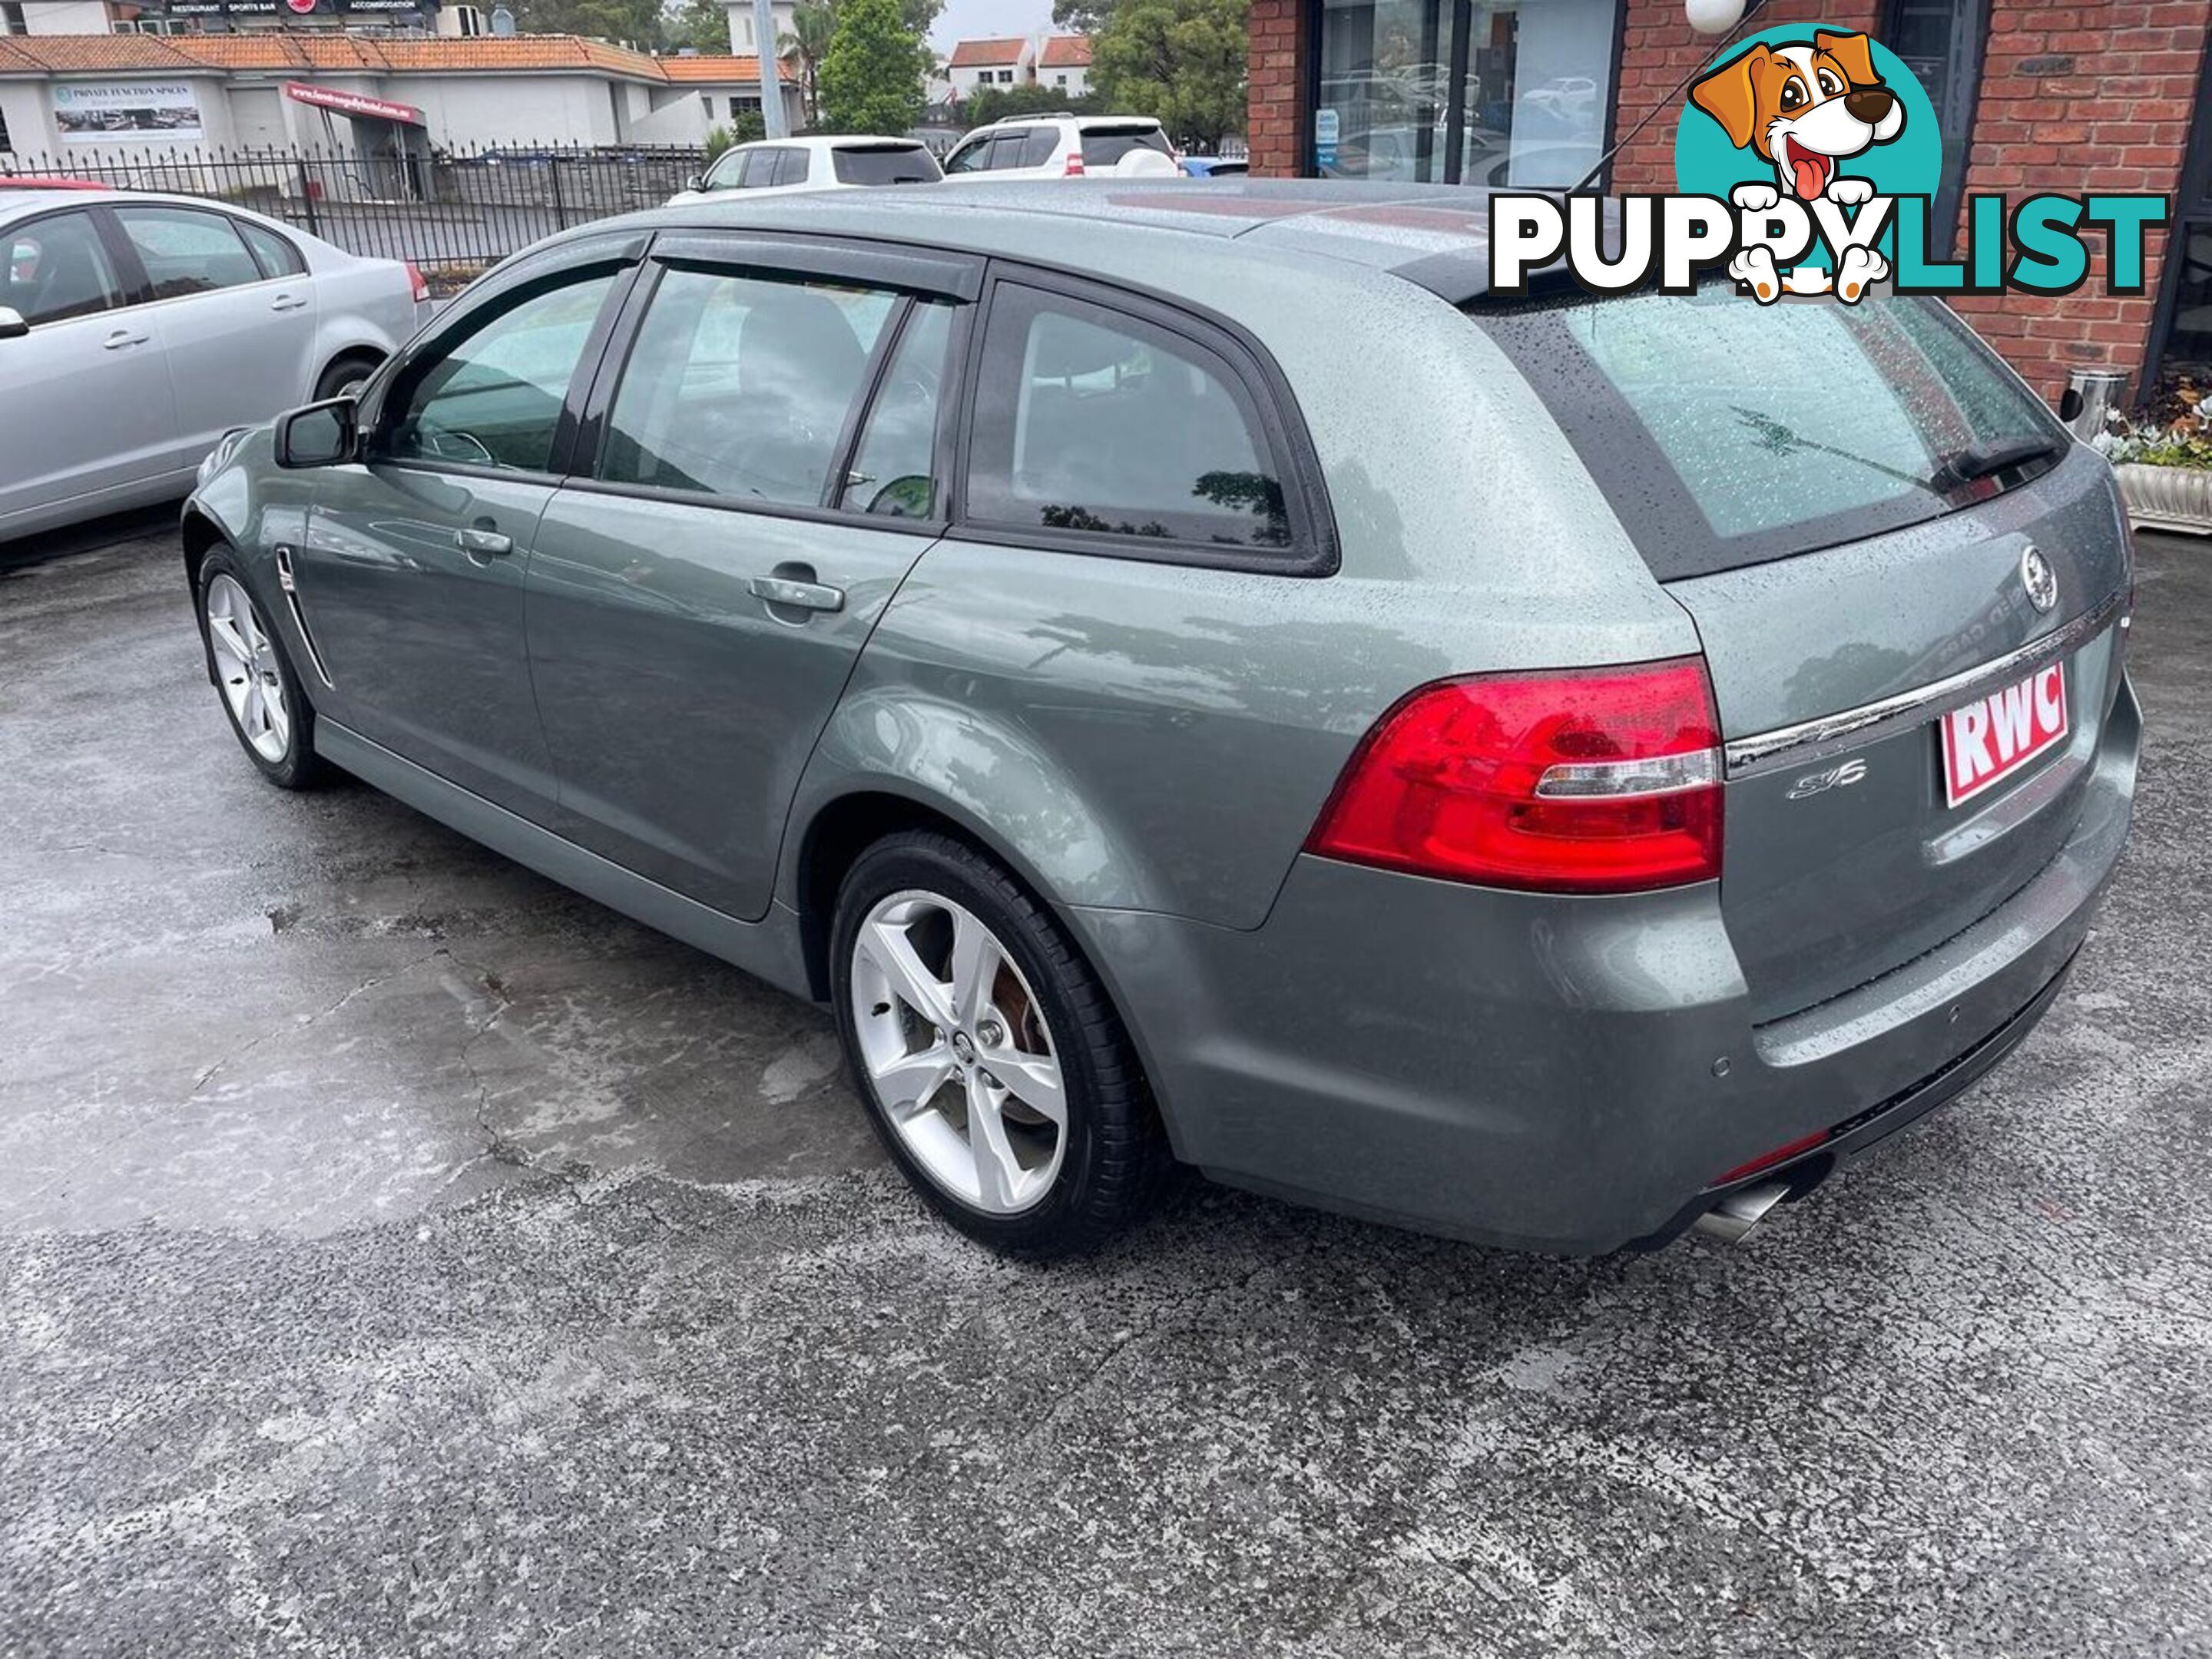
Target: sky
(979,20)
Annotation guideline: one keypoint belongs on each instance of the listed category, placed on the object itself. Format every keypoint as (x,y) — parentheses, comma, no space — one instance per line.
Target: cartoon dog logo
(1805,108)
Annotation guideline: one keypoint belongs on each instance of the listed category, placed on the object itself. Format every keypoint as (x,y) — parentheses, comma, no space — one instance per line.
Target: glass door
(1941,42)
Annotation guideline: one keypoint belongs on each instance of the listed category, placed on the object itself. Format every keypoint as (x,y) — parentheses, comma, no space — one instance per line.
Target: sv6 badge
(1836,777)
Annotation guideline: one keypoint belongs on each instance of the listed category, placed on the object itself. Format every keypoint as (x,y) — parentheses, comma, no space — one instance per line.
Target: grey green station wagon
(1190,678)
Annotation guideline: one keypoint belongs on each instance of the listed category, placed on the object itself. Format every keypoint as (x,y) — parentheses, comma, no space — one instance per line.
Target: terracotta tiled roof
(359,54)
(975,54)
(1066,51)
(711,69)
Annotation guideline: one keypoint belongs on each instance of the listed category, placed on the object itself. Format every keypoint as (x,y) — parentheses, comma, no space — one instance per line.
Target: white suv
(1064,147)
(845,162)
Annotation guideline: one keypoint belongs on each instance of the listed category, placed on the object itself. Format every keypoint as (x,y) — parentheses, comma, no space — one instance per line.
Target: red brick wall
(2078,98)
(1658,50)
(1275,114)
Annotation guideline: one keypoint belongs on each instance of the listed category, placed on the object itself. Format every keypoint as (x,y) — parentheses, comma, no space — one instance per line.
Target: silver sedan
(135,330)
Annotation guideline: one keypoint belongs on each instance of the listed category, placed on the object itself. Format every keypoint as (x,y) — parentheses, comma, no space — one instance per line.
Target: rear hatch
(1865,514)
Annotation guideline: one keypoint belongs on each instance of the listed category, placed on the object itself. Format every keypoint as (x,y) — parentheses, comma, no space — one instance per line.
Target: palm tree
(812,23)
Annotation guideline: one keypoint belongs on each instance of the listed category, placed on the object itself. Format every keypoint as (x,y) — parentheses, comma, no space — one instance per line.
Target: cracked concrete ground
(399,1254)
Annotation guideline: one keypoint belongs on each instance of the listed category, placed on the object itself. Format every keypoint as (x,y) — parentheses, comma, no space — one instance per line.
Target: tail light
(417,281)
(1586,781)
(1074,164)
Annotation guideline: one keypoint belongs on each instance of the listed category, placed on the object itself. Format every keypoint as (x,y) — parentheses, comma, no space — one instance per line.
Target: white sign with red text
(1993,737)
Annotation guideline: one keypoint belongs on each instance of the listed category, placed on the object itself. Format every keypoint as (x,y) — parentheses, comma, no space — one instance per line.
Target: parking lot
(399,1253)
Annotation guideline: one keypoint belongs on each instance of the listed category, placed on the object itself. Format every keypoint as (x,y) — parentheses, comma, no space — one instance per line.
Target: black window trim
(1313,549)
(621,257)
(909,273)
(303,269)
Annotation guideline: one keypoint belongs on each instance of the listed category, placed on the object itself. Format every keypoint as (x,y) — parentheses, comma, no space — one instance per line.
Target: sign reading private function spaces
(127,112)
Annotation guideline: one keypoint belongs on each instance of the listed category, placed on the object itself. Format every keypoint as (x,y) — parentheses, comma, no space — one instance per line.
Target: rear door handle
(287,302)
(483,544)
(122,337)
(798,596)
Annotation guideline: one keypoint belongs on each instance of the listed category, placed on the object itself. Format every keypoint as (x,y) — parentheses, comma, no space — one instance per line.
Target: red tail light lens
(1588,780)
(1074,164)
(417,282)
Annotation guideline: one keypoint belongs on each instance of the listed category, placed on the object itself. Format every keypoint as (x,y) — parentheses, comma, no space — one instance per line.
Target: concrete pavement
(400,1255)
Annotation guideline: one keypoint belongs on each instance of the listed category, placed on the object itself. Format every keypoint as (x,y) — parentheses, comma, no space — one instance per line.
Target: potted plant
(2162,457)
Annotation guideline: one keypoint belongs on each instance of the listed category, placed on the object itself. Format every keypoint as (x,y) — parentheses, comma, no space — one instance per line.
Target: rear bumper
(1565,1075)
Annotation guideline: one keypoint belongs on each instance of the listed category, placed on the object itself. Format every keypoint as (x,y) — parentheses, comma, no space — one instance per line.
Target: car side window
(494,395)
(792,168)
(277,255)
(57,268)
(1037,146)
(973,156)
(726,173)
(741,386)
(187,251)
(1092,421)
(893,473)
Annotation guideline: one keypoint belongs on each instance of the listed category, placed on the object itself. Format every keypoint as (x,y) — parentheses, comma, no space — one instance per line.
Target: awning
(353,103)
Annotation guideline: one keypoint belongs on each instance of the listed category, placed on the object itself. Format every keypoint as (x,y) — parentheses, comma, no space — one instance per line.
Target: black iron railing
(454,213)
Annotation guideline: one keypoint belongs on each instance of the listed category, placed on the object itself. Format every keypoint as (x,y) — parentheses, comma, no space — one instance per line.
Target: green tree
(871,77)
(702,25)
(1180,61)
(638,22)
(813,25)
(1081,17)
(988,104)
(918,15)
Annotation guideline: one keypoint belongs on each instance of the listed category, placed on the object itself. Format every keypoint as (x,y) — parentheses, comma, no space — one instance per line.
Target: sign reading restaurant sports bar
(281,10)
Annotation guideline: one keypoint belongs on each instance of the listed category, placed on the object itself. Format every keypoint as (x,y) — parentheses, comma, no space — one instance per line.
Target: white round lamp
(1714,17)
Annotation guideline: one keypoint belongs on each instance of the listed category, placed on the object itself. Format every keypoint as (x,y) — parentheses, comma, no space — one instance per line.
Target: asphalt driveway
(399,1254)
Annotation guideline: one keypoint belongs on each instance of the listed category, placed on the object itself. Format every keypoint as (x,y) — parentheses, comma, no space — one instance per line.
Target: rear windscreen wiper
(1986,459)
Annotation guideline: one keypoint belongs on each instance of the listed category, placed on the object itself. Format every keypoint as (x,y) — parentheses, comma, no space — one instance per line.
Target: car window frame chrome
(1808,741)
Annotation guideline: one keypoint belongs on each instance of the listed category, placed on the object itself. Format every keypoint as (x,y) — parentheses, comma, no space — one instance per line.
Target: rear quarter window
(1104,146)
(1727,433)
(906,165)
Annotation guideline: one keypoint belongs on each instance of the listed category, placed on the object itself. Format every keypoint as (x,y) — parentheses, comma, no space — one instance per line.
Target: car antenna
(1668,102)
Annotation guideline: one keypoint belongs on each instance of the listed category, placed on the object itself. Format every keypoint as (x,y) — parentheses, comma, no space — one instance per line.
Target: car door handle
(122,337)
(287,302)
(483,544)
(798,596)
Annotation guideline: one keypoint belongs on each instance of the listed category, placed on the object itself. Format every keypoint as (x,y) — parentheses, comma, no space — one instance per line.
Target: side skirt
(768,948)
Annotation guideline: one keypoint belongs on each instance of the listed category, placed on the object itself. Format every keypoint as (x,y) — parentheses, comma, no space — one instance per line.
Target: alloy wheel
(956,1046)
(245,665)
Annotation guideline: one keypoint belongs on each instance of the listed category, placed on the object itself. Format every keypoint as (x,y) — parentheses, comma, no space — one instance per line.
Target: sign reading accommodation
(127,112)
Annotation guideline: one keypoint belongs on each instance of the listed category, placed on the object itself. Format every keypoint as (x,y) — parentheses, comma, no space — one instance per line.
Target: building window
(1005,77)
(1060,80)
(1454,92)
(1941,42)
(709,103)
(11,18)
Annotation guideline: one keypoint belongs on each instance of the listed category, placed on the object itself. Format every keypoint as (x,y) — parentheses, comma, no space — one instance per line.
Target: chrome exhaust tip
(1735,1216)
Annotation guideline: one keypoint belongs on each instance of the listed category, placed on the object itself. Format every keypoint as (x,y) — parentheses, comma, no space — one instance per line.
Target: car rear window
(1727,433)
(883,164)
(1104,146)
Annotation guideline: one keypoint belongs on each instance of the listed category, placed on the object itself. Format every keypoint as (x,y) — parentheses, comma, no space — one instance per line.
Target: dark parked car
(1186,683)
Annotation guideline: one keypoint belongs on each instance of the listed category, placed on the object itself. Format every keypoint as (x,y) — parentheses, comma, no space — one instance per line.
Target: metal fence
(454,213)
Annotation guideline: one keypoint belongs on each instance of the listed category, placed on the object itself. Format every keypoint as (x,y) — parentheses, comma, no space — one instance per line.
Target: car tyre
(345,372)
(269,713)
(1030,1026)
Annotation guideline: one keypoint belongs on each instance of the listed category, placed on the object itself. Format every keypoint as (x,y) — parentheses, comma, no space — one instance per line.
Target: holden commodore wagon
(1188,677)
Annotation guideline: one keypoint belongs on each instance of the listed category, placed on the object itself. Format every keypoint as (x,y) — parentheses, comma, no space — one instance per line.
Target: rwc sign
(352,103)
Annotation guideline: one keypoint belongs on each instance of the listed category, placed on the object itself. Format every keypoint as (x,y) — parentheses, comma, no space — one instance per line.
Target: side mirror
(696,182)
(321,435)
(12,326)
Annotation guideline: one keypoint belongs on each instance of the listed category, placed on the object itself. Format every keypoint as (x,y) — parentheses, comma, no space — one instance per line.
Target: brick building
(2032,95)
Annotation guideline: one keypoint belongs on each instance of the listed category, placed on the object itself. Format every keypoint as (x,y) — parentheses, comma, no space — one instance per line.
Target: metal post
(307,197)
(560,207)
(771,75)
(2089,393)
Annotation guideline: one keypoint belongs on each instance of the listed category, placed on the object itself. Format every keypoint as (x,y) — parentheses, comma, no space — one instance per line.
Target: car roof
(832,141)
(1436,236)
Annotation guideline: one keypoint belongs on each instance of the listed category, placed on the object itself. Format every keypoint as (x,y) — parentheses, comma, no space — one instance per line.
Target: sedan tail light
(417,282)
(1581,780)
(1074,164)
